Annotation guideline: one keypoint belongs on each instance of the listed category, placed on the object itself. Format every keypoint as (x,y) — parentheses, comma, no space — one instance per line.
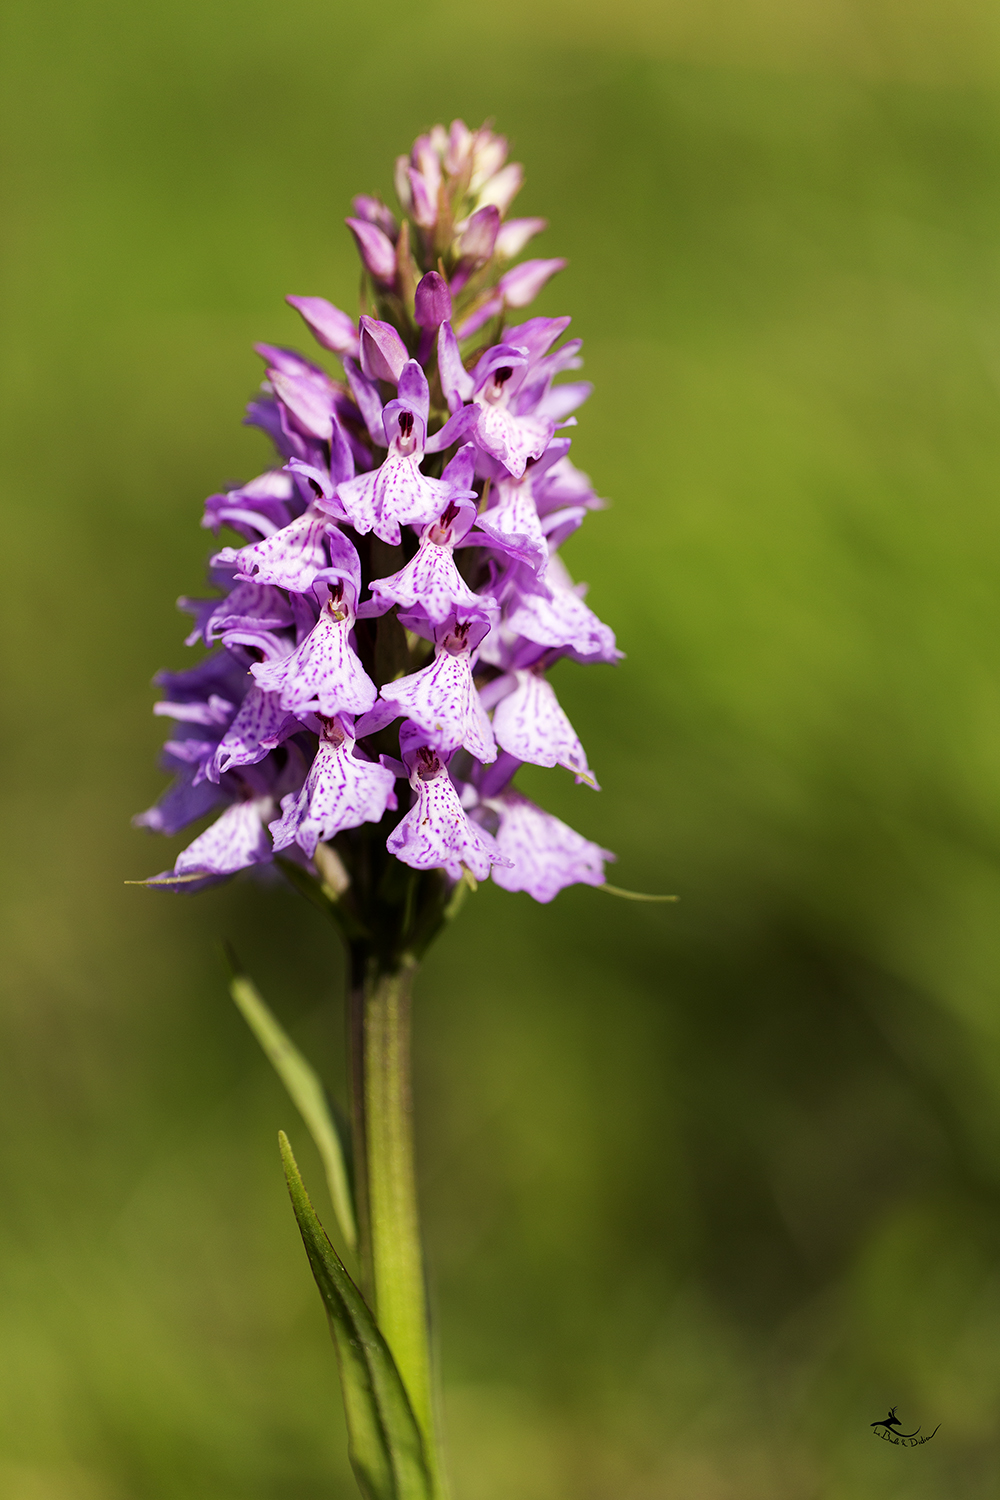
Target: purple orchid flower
(442,699)
(544,855)
(397,492)
(530,724)
(436,833)
(342,790)
(318,634)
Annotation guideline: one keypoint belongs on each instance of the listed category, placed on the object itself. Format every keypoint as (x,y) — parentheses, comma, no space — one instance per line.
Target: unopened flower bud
(374,211)
(432,301)
(503,187)
(375,248)
(327,324)
(480,234)
(383,353)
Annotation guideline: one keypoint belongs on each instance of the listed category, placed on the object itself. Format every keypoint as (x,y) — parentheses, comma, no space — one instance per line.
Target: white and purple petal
(323,675)
(437,834)
(290,559)
(341,791)
(233,842)
(545,855)
(442,699)
(530,723)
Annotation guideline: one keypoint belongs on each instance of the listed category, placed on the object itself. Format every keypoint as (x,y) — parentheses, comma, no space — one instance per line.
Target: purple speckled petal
(436,832)
(512,521)
(327,324)
(550,612)
(443,701)
(290,559)
(323,675)
(530,724)
(260,725)
(545,854)
(432,580)
(249,606)
(255,509)
(233,842)
(509,439)
(397,492)
(340,792)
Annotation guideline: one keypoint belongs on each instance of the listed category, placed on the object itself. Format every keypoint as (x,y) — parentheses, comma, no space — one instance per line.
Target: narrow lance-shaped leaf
(386,1448)
(306,1093)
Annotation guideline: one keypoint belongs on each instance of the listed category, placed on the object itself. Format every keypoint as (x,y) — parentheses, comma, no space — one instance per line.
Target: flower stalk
(391,1253)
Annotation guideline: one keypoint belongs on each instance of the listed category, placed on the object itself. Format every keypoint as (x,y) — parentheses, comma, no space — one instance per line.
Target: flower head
(391,595)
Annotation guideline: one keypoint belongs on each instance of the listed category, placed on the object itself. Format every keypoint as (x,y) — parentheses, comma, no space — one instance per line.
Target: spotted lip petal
(442,699)
(544,855)
(436,833)
(341,791)
(530,724)
(323,675)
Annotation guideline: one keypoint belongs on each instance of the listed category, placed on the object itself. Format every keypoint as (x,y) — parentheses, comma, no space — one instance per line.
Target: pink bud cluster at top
(380,643)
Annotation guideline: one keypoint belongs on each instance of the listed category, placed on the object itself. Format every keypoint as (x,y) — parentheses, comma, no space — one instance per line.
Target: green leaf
(306,1093)
(384,1442)
(616,890)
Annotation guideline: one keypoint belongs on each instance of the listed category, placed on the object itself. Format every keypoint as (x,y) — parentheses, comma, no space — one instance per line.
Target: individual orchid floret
(436,833)
(530,724)
(511,439)
(548,610)
(324,674)
(334,329)
(544,855)
(233,842)
(512,520)
(398,492)
(342,790)
(376,249)
(442,698)
(383,353)
(260,726)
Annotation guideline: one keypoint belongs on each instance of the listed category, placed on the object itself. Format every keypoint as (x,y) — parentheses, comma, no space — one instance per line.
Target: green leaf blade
(306,1092)
(386,1447)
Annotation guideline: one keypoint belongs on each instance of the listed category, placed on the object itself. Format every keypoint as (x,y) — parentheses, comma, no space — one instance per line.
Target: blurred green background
(707,1188)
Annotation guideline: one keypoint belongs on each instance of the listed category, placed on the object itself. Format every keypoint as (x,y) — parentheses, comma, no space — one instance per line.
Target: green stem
(389,1229)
